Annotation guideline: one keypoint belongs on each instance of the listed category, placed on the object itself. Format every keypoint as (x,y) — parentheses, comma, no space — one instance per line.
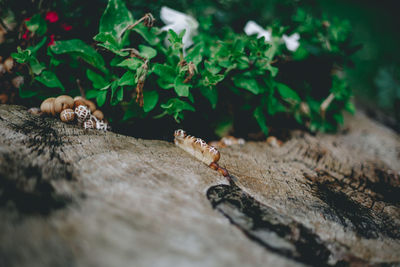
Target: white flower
(292,41)
(253,28)
(178,21)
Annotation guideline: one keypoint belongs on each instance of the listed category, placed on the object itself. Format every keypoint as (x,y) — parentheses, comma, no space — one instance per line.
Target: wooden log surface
(70,197)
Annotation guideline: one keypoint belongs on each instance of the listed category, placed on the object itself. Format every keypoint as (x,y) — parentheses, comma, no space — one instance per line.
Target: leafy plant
(130,69)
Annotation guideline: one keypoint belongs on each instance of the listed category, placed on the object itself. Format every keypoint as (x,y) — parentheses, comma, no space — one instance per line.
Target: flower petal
(292,41)
(253,28)
(51,16)
(169,15)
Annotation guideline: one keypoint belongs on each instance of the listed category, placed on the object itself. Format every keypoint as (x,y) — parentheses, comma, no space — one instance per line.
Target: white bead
(100,125)
(82,113)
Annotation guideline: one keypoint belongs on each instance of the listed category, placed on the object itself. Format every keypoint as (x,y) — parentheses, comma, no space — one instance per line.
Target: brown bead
(2,69)
(47,106)
(98,114)
(9,64)
(79,102)
(35,111)
(214,166)
(3,98)
(91,105)
(223,171)
(63,102)
(273,141)
(67,115)
(17,81)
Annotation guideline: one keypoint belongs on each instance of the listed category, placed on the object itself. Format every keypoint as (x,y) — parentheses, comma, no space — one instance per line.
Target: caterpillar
(198,148)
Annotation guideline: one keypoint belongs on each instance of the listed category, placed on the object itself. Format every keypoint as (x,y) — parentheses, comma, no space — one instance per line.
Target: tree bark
(74,197)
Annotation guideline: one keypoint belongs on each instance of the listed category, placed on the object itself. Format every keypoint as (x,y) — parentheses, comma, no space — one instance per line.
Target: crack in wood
(277,232)
(264,225)
(354,215)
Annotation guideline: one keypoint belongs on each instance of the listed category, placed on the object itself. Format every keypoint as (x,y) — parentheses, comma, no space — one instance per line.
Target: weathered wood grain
(70,197)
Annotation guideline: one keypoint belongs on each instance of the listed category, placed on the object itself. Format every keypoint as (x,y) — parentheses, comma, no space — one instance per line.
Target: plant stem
(147,16)
(134,24)
(134,52)
(325,104)
(81,90)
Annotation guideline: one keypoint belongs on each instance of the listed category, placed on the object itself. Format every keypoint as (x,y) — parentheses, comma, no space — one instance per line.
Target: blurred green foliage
(376,77)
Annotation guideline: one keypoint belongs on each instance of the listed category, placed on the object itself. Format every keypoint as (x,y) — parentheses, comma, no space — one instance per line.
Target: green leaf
(116,60)
(115,19)
(273,70)
(131,63)
(167,75)
(107,37)
(22,56)
(101,98)
(211,79)
(349,106)
(79,48)
(261,120)
(211,67)
(287,93)
(114,49)
(211,94)
(97,80)
(127,79)
(165,72)
(36,66)
(191,97)
(148,34)
(340,88)
(92,94)
(49,79)
(274,106)
(164,84)
(142,71)
(338,117)
(117,94)
(36,24)
(195,54)
(181,89)
(270,53)
(150,99)
(225,63)
(181,34)
(300,53)
(26,93)
(175,39)
(242,62)
(109,42)
(238,46)
(54,62)
(249,84)
(175,107)
(147,51)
